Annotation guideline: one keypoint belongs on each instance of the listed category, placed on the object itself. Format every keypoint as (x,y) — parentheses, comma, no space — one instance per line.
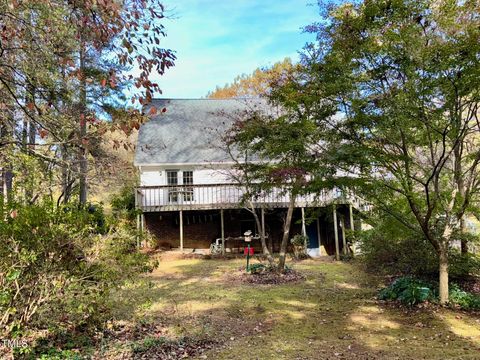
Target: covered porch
(195,216)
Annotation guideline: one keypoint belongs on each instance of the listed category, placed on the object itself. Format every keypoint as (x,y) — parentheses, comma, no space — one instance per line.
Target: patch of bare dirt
(151,341)
(265,277)
(180,349)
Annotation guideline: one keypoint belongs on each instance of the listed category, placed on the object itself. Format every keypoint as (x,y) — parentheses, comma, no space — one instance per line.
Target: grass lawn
(332,314)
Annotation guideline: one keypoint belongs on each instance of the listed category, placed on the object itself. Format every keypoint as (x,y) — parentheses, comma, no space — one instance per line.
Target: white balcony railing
(223,196)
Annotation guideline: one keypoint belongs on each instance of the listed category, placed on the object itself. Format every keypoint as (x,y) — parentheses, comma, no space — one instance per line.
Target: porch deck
(227,196)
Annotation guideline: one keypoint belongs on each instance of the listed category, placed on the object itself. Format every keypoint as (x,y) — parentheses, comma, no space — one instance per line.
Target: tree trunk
(8,182)
(66,181)
(6,135)
(286,233)
(443,272)
(83,127)
(463,242)
(265,250)
(29,135)
(460,182)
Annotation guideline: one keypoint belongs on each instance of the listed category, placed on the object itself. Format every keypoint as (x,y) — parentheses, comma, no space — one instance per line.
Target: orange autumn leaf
(43,133)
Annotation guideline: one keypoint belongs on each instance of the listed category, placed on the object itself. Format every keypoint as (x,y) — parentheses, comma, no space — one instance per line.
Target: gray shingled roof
(189,131)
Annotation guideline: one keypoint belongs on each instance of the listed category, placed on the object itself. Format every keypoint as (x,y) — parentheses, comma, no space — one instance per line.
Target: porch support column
(344,240)
(262,215)
(138,219)
(318,237)
(138,230)
(181,230)
(352,226)
(335,230)
(142,227)
(304,229)
(222,229)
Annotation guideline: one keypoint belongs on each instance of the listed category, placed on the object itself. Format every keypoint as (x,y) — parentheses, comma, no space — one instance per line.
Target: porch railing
(222,196)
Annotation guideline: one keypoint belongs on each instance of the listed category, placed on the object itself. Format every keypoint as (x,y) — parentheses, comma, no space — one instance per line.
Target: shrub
(257,268)
(410,291)
(123,203)
(463,299)
(462,265)
(407,290)
(57,266)
(392,248)
(300,245)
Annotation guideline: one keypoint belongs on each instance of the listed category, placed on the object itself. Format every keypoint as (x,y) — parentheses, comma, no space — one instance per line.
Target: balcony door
(187,179)
(172,182)
(177,192)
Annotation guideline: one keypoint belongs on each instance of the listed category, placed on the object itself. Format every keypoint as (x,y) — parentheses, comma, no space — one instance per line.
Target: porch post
(352,227)
(304,230)
(222,226)
(262,214)
(318,237)
(181,230)
(138,230)
(142,226)
(335,229)
(138,219)
(344,240)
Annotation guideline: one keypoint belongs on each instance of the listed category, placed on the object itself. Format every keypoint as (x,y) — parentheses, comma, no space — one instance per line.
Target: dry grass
(332,314)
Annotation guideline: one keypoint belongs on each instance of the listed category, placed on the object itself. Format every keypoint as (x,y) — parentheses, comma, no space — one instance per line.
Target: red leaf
(153,110)
(104,82)
(164,110)
(43,133)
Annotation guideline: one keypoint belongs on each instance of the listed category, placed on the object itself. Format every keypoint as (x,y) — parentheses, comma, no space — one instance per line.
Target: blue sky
(218,40)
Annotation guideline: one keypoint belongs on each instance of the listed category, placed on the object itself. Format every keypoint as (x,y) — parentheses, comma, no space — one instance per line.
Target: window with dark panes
(188,190)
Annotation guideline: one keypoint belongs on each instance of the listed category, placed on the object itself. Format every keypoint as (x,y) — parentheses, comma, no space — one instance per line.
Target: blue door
(312,235)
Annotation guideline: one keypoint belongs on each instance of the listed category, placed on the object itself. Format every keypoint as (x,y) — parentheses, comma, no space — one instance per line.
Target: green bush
(257,268)
(392,248)
(58,266)
(463,299)
(411,291)
(123,203)
(407,290)
(461,265)
(300,246)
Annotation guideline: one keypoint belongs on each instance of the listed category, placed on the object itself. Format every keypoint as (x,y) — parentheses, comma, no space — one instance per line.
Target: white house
(187,198)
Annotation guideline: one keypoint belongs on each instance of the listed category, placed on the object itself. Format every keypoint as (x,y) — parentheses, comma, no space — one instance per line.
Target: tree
(256,84)
(240,172)
(404,75)
(64,101)
(281,145)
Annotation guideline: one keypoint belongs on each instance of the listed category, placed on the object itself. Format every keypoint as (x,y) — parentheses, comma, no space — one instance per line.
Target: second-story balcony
(226,196)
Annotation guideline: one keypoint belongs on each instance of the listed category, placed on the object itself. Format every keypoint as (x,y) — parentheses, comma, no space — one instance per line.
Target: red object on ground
(245,251)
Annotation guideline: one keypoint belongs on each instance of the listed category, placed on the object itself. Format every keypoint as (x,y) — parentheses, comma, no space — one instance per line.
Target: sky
(216,40)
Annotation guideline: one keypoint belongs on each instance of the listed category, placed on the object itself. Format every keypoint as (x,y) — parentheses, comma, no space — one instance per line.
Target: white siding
(152,176)
(210,176)
(156,175)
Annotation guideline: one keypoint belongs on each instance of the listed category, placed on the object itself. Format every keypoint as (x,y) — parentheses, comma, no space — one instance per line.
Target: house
(188,200)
